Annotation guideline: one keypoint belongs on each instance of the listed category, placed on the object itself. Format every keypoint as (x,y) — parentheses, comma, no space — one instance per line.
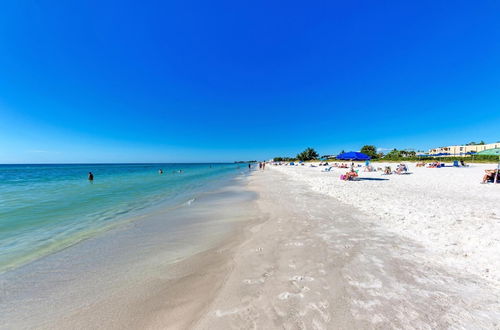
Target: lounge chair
(401,169)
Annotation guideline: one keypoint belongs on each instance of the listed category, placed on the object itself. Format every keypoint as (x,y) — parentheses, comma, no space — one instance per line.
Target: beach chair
(353,178)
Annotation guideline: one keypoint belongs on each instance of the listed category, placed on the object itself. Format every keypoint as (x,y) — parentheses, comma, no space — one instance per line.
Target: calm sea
(46,208)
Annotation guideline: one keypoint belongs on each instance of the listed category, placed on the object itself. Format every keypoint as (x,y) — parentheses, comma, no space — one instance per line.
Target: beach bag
(342,177)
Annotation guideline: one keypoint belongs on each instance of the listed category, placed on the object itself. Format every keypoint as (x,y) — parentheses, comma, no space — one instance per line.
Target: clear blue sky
(154,81)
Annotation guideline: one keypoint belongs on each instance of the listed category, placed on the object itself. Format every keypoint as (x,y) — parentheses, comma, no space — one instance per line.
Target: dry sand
(318,263)
(446,210)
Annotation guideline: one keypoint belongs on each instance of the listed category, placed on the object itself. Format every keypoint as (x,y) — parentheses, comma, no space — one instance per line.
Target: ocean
(47,208)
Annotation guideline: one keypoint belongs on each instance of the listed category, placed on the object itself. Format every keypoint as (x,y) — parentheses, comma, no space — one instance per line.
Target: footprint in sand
(321,310)
(299,278)
(220,313)
(256,281)
(294,244)
(286,295)
(267,274)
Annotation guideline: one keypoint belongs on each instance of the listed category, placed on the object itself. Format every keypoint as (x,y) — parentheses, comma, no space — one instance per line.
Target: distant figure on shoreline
(160,171)
(249,166)
(260,166)
(91,176)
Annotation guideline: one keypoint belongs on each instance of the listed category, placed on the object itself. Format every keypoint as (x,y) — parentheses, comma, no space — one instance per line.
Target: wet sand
(146,272)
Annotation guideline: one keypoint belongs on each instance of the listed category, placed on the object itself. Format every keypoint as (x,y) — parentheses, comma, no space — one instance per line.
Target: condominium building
(463,150)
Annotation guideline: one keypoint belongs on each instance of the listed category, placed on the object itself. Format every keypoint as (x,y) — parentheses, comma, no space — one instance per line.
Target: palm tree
(308,154)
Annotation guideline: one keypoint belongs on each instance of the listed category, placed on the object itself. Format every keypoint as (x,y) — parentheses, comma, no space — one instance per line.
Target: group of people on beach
(341,165)
(435,164)
(490,176)
(438,164)
(351,175)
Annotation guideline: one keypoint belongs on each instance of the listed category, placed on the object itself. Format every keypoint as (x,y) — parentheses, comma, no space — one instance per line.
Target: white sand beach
(445,209)
(415,252)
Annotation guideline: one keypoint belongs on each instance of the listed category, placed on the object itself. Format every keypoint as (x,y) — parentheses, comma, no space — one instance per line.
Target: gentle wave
(46,208)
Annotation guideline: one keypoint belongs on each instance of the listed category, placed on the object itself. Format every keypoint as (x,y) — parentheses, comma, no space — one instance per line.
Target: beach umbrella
(471,153)
(353,155)
(492,152)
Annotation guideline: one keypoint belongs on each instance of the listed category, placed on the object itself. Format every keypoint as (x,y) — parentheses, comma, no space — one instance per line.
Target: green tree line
(393,155)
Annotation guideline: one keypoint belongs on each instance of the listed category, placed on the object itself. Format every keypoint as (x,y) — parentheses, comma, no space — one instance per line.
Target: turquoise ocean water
(46,208)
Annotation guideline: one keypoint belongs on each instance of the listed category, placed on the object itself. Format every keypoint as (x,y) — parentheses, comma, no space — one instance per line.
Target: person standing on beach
(91,176)
(249,166)
(260,165)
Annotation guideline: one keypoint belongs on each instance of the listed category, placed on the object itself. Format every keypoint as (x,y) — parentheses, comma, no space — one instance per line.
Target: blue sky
(174,81)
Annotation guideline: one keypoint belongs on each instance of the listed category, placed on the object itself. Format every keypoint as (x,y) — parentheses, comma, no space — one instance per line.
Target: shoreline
(120,269)
(300,258)
(177,302)
(50,208)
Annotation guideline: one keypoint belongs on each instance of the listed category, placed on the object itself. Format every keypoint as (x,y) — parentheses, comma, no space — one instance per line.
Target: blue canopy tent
(352,155)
